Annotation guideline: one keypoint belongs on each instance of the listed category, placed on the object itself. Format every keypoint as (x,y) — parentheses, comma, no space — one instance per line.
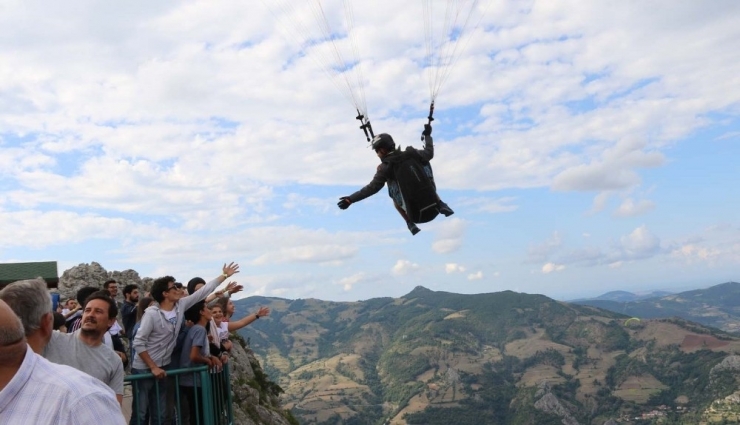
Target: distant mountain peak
(625,296)
(419,290)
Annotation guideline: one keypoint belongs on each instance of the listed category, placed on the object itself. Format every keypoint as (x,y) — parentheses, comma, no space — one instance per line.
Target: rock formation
(256,399)
(549,403)
(94,274)
(729,363)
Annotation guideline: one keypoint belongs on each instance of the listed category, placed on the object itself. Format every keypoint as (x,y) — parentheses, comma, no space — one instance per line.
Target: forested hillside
(501,358)
(717,306)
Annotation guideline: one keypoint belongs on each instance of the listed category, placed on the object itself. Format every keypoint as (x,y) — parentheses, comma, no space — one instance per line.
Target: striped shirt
(44,393)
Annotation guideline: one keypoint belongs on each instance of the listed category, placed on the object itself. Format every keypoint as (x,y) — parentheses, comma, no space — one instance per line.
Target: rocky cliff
(549,403)
(94,274)
(256,398)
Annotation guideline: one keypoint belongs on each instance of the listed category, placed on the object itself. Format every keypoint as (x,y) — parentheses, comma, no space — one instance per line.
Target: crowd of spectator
(171,327)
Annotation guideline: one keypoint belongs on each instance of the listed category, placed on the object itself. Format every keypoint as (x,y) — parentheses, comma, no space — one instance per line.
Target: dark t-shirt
(128,317)
(196,337)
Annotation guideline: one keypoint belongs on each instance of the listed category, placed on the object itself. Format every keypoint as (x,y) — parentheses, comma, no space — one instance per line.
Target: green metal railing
(212,397)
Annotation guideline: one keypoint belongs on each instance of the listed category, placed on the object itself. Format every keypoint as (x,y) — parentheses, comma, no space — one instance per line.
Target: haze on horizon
(584,147)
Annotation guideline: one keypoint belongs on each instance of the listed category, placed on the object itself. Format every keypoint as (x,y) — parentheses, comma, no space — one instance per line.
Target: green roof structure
(47,270)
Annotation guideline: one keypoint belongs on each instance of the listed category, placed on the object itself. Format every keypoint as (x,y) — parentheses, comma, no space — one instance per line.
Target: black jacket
(383,173)
(128,317)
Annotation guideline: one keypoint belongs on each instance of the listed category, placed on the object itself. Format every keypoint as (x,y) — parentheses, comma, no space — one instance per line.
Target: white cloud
(279,292)
(541,252)
(692,253)
(454,268)
(449,236)
(599,202)
(348,282)
(552,267)
(714,246)
(404,267)
(641,243)
(630,208)
(39,229)
(297,203)
(310,254)
(595,176)
(487,205)
(615,169)
(476,276)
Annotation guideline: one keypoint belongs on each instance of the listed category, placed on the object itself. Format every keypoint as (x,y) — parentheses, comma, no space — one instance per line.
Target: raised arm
(428,152)
(232,288)
(246,320)
(202,293)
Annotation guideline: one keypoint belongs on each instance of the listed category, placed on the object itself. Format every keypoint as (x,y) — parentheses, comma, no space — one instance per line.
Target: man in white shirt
(36,391)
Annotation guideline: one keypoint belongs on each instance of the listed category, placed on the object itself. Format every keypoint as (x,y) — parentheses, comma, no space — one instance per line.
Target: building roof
(11,272)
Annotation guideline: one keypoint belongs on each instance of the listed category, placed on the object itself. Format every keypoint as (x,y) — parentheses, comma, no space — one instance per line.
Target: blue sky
(584,147)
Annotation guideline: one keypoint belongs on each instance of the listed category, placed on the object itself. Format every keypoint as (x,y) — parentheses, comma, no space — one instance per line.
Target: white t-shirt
(171,315)
(115,329)
(223,331)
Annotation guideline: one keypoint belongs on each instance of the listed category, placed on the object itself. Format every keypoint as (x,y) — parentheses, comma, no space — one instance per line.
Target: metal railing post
(229,405)
(212,402)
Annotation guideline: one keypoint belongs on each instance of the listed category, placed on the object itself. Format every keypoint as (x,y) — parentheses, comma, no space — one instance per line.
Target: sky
(584,146)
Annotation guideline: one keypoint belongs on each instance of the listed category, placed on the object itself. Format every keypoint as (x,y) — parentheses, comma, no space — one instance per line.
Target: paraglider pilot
(415,199)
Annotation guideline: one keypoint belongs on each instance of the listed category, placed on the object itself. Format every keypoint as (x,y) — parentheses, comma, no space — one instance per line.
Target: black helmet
(383,140)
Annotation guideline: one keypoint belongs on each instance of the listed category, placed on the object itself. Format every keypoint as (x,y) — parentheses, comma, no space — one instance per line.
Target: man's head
(164,288)
(99,314)
(31,302)
(71,304)
(12,338)
(85,292)
(383,144)
(60,323)
(131,293)
(111,286)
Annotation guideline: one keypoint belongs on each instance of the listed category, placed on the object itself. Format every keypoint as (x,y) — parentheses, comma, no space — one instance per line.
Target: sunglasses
(177,285)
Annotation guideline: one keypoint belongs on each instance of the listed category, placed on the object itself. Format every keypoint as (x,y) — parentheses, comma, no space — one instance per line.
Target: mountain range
(717,306)
(501,358)
(624,296)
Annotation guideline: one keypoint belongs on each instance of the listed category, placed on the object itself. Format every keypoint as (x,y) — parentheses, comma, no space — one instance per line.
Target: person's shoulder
(150,312)
(384,165)
(196,331)
(61,336)
(67,379)
(59,340)
(108,353)
(68,390)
